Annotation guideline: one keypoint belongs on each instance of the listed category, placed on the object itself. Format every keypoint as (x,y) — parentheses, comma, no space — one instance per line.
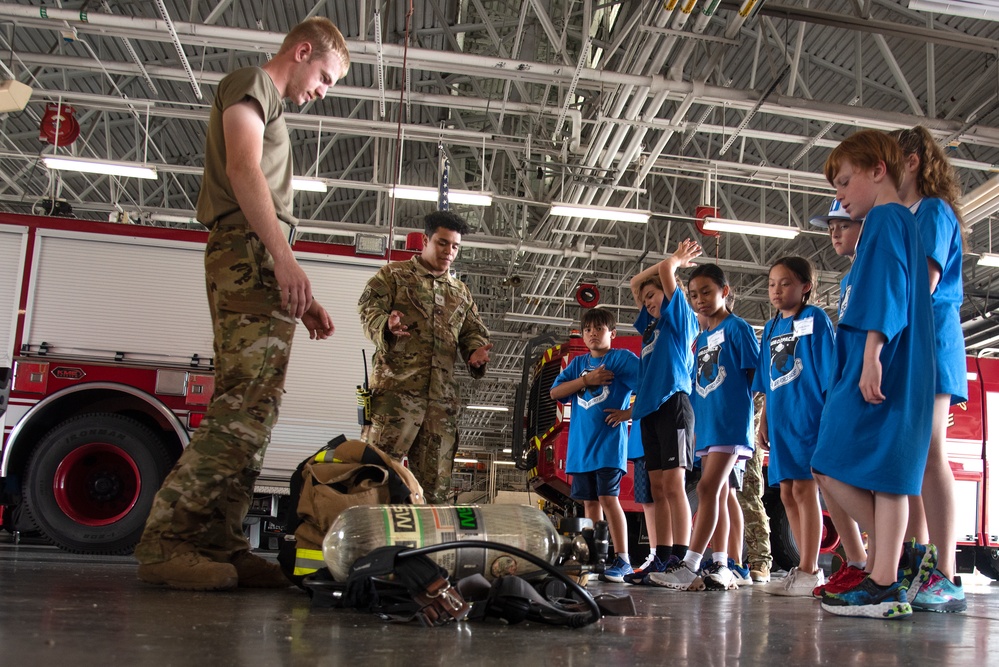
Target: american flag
(442,204)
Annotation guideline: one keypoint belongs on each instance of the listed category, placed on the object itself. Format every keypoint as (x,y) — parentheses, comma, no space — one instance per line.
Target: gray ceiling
(658,105)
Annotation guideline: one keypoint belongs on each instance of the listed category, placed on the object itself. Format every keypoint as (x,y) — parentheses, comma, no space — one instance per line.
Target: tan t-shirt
(216,198)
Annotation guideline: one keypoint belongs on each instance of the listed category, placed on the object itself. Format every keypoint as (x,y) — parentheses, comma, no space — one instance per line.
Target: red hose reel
(59,126)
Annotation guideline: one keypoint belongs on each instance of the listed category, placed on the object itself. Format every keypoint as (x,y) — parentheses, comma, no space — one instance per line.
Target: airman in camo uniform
(256,292)
(757,523)
(421,319)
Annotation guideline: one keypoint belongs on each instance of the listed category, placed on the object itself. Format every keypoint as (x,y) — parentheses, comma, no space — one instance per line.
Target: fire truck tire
(91,482)
(782,545)
(987,561)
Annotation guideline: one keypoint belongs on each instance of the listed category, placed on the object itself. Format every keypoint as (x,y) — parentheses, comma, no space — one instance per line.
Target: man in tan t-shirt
(256,292)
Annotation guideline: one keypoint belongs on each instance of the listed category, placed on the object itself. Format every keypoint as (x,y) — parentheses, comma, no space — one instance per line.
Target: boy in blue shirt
(599,386)
(875,427)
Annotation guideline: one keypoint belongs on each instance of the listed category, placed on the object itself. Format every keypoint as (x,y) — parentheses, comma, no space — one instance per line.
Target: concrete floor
(63,609)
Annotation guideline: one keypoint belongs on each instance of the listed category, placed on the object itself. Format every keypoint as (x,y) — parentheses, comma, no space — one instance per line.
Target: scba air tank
(361,529)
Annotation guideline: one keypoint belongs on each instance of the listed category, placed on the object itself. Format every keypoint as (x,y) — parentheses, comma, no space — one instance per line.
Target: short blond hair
(324,37)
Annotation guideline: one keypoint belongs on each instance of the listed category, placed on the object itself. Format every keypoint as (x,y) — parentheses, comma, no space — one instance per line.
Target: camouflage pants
(204,499)
(422,430)
(757,524)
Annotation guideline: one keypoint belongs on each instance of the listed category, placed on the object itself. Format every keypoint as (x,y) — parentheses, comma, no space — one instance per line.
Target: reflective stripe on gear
(308,561)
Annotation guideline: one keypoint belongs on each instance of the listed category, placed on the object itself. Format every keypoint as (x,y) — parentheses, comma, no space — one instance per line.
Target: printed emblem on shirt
(710,374)
(844,300)
(649,342)
(591,396)
(784,366)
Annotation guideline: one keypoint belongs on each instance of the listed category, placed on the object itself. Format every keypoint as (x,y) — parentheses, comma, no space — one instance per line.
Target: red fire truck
(106,370)
(541,447)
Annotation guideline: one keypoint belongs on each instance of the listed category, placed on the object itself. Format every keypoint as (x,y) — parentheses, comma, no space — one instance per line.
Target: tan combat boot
(256,572)
(190,572)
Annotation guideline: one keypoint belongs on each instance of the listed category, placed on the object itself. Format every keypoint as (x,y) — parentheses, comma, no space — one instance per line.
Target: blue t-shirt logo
(591,396)
(844,301)
(709,374)
(649,341)
(784,366)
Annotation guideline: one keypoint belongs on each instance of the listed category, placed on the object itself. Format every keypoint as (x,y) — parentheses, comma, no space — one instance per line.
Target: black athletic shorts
(668,435)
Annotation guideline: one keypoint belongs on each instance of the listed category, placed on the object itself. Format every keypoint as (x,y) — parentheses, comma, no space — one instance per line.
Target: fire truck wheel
(91,482)
(782,545)
(987,561)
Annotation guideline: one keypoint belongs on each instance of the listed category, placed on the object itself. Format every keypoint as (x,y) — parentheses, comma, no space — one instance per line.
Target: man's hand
(480,357)
(296,290)
(318,322)
(615,417)
(395,325)
(598,377)
(762,441)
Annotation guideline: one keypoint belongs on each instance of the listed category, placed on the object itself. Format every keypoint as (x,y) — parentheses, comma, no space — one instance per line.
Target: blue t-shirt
(635,448)
(796,358)
(593,444)
(666,359)
(941,236)
(723,397)
(882,447)
(844,296)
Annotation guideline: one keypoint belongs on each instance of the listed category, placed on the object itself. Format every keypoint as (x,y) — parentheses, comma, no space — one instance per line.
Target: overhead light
(507,450)
(548,320)
(170,217)
(308,184)
(109,168)
(981,202)
(975,10)
(503,463)
(599,212)
(758,228)
(468,197)
(491,408)
(988,259)
(14,95)
(466,460)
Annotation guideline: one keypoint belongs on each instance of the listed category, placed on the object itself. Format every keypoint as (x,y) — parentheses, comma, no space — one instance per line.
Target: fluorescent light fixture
(980,203)
(490,408)
(503,463)
(757,228)
(976,10)
(466,460)
(109,168)
(468,197)
(547,320)
(988,259)
(508,450)
(308,184)
(170,217)
(599,212)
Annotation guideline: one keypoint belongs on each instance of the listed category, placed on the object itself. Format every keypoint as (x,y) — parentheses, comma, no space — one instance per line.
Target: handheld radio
(364,396)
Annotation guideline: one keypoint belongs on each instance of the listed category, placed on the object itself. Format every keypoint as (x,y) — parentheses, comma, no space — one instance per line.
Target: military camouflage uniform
(414,398)
(203,500)
(757,524)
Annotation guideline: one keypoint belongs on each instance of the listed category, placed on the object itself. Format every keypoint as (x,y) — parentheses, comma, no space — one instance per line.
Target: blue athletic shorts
(592,485)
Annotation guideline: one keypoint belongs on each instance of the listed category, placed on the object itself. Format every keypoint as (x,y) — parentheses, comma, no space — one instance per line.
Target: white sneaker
(679,578)
(799,583)
(776,586)
(718,577)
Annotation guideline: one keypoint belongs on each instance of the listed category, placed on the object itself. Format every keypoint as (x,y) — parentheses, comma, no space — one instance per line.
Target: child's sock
(859,564)
(720,557)
(663,552)
(680,551)
(692,560)
(625,557)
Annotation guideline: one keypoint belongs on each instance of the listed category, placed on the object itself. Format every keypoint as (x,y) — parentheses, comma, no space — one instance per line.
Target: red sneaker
(844,579)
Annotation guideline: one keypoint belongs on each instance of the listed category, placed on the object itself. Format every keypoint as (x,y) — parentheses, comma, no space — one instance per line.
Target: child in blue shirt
(796,354)
(875,426)
(844,234)
(599,386)
(726,356)
(930,189)
(668,327)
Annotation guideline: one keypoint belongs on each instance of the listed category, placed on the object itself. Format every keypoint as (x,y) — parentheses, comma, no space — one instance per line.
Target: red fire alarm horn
(702,212)
(587,295)
(414,241)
